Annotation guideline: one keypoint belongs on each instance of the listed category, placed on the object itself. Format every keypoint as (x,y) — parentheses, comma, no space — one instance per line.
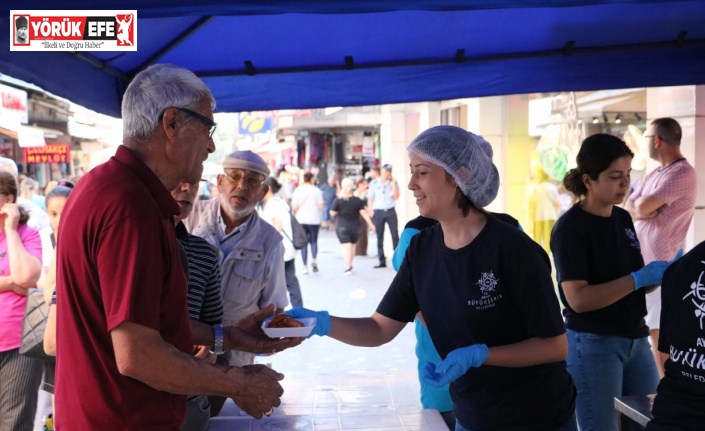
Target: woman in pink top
(20,266)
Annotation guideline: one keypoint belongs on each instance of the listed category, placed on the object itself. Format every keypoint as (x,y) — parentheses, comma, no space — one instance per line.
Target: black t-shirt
(600,249)
(348,211)
(680,399)
(497,290)
(421,222)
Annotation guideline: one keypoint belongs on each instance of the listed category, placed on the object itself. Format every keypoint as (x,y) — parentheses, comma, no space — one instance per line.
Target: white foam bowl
(303,331)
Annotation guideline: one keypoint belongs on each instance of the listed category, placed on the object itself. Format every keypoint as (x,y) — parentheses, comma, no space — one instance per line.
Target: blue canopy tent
(282,54)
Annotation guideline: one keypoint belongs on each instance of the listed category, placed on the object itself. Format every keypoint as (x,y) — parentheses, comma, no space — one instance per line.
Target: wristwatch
(218,335)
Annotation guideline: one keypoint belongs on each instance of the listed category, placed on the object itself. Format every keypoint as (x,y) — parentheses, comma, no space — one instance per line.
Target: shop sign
(13,104)
(28,136)
(50,153)
(253,123)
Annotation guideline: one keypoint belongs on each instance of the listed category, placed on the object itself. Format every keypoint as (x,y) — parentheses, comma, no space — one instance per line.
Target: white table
(380,420)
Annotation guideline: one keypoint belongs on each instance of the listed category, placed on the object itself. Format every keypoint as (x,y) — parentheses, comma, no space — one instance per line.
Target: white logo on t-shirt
(698,292)
(487,283)
(632,237)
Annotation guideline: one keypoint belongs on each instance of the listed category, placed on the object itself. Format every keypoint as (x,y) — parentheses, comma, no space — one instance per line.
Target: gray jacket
(252,273)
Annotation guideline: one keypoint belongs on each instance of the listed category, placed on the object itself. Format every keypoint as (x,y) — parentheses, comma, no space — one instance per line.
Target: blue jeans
(312,233)
(292,284)
(568,426)
(604,367)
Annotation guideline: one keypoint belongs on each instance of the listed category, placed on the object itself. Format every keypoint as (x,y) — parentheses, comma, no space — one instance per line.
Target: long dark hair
(273,184)
(58,191)
(8,186)
(597,152)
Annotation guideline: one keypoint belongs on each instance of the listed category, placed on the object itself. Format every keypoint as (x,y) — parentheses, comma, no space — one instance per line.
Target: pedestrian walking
(307,204)
(348,209)
(382,197)
(276,212)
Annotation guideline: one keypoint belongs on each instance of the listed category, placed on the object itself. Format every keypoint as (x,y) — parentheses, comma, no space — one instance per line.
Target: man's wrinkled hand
(259,389)
(247,335)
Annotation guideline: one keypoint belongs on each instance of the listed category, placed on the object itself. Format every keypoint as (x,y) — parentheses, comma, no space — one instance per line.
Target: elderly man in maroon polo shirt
(124,340)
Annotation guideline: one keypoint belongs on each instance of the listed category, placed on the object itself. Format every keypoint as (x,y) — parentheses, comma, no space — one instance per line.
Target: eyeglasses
(650,136)
(205,120)
(251,181)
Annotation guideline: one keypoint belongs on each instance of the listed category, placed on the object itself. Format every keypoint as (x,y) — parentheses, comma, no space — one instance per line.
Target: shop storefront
(330,142)
(34,133)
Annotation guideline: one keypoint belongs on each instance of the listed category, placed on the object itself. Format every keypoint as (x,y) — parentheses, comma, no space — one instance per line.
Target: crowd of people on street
(156,297)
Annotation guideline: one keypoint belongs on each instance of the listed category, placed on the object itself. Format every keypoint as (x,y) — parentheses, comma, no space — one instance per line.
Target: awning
(274,147)
(9,133)
(281,54)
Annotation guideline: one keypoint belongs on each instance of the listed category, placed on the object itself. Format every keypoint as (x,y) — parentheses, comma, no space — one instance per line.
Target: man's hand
(260,390)
(247,335)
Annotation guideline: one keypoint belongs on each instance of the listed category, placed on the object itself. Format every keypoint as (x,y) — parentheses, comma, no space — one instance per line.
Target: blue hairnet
(465,156)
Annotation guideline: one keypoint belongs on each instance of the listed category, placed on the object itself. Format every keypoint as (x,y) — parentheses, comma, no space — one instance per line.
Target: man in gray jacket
(251,250)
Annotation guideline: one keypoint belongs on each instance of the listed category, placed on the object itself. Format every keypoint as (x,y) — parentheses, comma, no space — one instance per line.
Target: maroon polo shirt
(117,261)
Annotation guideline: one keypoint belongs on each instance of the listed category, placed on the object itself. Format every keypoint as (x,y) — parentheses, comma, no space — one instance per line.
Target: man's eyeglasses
(650,136)
(251,181)
(205,120)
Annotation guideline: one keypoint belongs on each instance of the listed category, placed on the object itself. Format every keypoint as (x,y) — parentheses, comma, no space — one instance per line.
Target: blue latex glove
(457,363)
(322,327)
(651,274)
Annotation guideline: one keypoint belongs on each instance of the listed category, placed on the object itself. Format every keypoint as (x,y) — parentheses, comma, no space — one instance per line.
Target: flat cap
(246,160)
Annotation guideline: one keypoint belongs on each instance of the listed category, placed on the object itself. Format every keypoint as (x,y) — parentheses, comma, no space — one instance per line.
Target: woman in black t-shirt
(485,292)
(347,210)
(602,281)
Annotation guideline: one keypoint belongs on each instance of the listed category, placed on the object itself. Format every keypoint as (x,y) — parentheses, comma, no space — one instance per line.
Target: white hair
(346,188)
(155,89)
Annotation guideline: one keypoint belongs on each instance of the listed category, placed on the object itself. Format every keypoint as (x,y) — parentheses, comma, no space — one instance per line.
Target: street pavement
(332,386)
(355,295)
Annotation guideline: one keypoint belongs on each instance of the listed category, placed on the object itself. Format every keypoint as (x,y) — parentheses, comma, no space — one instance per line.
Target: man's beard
(238,213)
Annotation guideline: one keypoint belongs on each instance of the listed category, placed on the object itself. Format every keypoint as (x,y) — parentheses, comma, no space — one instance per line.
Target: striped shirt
(204,300)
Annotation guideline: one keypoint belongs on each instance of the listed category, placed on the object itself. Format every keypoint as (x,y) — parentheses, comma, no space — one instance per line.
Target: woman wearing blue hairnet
(602,282)
(485,292)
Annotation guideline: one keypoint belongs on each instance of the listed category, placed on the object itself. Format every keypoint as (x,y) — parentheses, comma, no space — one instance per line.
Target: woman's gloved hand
(651,274)
(457,363)
(322,327)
